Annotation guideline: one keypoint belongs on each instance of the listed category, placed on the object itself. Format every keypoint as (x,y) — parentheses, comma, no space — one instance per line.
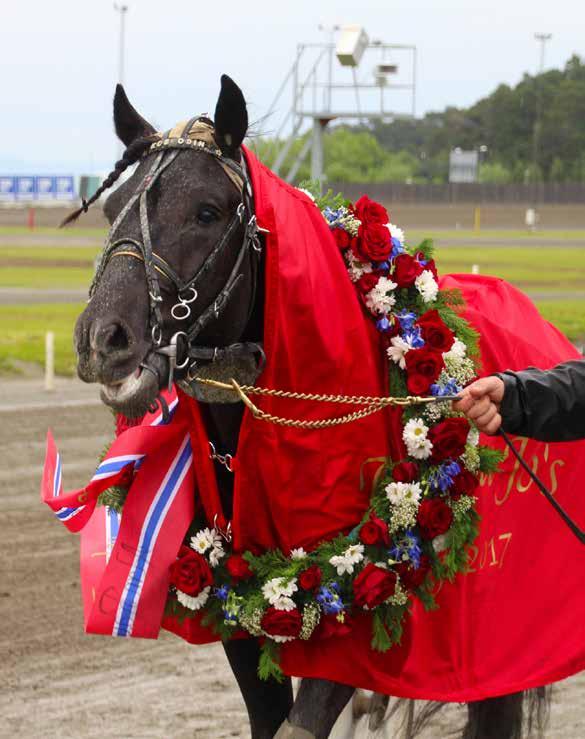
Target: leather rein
(181,350)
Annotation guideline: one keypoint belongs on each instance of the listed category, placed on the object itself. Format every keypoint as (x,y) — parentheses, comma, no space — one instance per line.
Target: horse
(183,234)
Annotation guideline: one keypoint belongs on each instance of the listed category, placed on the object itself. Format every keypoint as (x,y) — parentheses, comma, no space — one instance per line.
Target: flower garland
(422,513)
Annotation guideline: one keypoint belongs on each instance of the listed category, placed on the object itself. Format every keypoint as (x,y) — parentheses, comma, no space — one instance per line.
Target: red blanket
(517,619)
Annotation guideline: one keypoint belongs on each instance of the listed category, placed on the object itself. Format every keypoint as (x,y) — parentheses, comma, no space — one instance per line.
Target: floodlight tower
(542,39)
(122,10)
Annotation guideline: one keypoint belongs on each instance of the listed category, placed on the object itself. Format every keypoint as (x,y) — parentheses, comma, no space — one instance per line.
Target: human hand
(480,402)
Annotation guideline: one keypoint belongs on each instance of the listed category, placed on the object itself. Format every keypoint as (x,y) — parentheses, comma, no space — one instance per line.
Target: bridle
(182,351)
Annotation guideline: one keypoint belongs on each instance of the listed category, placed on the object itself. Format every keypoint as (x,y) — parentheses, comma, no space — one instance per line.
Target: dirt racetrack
(56,682)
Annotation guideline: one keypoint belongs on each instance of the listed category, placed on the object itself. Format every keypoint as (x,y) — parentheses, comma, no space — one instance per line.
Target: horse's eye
(206,215)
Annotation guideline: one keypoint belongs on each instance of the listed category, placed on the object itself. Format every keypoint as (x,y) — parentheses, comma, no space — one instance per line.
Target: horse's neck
(223,422)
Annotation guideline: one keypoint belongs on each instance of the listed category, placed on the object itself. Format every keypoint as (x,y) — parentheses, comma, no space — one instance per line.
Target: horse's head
(180,269)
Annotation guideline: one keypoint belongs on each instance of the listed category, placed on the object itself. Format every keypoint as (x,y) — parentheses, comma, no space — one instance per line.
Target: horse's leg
(495,718)
(268,702)
(316,709)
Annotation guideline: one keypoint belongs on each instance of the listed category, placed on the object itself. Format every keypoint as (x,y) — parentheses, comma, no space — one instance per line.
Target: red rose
(406,270)
(411,578)
(405,472)
(423,367)
(190,572)
(238,568)
(464,483)
(434,518)
(282,623)
(367,282)
(373,586)
(310,579)
(430,264)
(369,211)
(375,531)
(329,626)
(436,335)
(342,238)
(448,438)
(373,243)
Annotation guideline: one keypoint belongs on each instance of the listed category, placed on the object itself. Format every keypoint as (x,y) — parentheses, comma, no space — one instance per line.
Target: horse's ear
(231,117)
(128,122)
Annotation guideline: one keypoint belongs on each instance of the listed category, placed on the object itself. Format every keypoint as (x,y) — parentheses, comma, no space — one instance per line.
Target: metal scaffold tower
(353,79)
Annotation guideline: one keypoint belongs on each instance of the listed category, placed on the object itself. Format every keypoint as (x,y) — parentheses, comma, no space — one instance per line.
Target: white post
(475,269)
(49,361)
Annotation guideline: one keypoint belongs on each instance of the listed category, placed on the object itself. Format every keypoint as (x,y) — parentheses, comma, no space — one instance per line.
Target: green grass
(45,254)
(567,315)
(55,232)
(45,277)
(22,335)
(414,235)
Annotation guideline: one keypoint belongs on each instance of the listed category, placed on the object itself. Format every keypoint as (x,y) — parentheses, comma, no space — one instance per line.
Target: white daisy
(356,268)
(284,603)
(216,554)
(398,350)
(307,193)
(415,437)
(298,553)
(403,492)
(380,298)
(427,286)
(473,436)
(396,232)
(194,603)
(342,564)
(204,540)
(457,351)
(440,543)
(355,553)
(277,587)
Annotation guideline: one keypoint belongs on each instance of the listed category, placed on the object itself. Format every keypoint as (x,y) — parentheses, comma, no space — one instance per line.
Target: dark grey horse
(123,342)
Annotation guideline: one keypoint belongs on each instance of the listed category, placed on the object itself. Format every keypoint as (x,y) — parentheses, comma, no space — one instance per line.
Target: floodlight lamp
(351,45)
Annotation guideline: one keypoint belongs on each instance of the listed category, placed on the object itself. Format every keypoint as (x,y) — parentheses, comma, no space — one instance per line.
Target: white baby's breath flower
(194,602)
(427,286)
(298,553)
(274,589)
(380,298)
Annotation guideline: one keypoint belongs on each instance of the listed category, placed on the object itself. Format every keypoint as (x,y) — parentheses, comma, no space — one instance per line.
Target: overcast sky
(60,60)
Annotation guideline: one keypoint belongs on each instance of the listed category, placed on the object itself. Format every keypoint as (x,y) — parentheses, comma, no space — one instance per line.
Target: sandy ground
(56,682)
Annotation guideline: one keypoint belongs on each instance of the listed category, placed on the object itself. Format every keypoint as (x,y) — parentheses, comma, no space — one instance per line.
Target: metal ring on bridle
(184,304)
(156,334)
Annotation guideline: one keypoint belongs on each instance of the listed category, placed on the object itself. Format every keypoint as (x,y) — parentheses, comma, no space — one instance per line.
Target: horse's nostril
(113,338)
(117,338)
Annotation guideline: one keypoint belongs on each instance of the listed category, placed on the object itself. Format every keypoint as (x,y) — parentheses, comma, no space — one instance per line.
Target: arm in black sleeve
(548,405)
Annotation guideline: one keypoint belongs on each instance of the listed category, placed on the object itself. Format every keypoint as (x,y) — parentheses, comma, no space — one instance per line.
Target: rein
(181,350)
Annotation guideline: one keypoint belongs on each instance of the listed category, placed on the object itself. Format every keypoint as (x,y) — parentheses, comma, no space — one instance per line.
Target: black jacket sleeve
(546,405)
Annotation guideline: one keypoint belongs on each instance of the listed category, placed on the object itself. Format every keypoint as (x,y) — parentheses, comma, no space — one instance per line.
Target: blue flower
(413,337)
(222,592)
(329,600)
(407,319)
(446,388)
(397,248)
(383,324)
(407,547)
(441,478)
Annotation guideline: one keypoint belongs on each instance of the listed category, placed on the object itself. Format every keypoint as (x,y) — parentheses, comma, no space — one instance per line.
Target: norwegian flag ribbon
(125,560)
